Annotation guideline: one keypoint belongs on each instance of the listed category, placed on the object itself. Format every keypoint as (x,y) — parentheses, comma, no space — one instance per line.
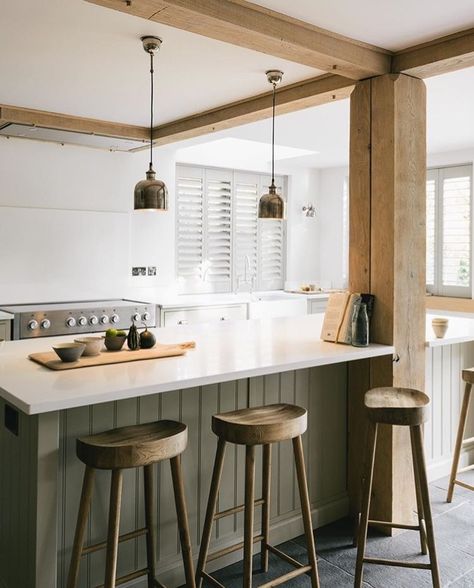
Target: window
(449,231)
(221,245)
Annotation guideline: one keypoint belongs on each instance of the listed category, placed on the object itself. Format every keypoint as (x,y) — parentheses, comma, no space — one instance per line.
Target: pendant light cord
(273,134)
(152,71)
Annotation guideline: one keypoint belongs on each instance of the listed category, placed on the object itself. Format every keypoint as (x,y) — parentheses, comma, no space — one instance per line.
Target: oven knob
(114,318)
(82,321)
(93,320)
(70,322)
(135,317)
(146,316)
(104,319)
(45,324)
(32,325)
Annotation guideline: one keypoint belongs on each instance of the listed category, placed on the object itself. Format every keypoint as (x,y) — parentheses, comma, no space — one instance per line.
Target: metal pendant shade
(151,194)
(271,205)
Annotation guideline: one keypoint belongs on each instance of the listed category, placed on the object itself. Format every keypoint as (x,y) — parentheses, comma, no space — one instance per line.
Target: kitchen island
(238,364)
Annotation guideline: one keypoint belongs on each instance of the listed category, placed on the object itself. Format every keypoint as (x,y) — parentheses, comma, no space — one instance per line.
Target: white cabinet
(5,330)
(203,314)
(316,305)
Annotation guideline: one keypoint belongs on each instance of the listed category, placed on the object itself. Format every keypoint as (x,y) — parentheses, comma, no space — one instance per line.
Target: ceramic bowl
(440,326)
(93,345)
(69,351)
(115,343)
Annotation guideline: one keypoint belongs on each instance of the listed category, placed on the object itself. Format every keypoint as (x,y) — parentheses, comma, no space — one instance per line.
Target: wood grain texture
(397,406)
(67,122)
(437,57)
(260,425)
(394,108)
(247,25)
(50,360)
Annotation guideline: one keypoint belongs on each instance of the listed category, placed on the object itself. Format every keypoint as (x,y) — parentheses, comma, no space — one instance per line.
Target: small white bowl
(440,326)
(93,345)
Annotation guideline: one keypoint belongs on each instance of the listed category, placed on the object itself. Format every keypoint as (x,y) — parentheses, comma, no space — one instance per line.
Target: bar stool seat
(133,446)
(261,425)
(399,407)
(118,449)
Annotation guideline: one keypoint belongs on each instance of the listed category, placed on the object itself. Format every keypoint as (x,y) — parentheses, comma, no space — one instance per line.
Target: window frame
(199,286)
(439,174)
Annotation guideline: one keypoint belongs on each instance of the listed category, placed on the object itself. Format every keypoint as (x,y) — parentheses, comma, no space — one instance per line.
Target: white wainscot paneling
(444,385)
(321,390)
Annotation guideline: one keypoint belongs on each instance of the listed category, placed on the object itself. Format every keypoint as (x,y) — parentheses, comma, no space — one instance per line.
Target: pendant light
(271,205)
(151,194)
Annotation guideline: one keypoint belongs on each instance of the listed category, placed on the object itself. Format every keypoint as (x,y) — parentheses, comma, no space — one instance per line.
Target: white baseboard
(441,468)
(283,529)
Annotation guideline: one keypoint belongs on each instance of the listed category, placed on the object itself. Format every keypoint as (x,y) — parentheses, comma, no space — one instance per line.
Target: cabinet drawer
(192,316)
(5,330)
(316,306)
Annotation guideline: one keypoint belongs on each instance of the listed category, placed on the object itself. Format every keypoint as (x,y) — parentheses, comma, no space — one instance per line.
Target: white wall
(67,228)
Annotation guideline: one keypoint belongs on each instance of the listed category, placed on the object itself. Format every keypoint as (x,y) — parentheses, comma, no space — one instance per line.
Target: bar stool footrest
(236,509)
(396,563)
(284,556)
(468,441)
(395,525)
(103,544)
(134,576)
(463,485)
(468,468)
(286,577)
(212,580)
(231,549)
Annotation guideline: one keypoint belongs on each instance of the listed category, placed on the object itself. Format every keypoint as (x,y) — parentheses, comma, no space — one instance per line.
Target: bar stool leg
(365,507)
(249,513)
(84,507)
(211,509)
(419,500)
(306,509)
(459,438)
(183,524)
(150,525)
(266,485)
(417,440)
(114,528)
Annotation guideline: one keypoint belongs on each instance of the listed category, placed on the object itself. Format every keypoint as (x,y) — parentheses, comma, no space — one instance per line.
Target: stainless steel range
(75,318)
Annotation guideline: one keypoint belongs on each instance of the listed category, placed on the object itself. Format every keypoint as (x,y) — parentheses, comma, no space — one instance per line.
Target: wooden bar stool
(401,407)
(468,377)
(263,425)
(116,450)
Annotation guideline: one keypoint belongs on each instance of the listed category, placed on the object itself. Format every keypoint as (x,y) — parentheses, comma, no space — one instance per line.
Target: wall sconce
(309,210)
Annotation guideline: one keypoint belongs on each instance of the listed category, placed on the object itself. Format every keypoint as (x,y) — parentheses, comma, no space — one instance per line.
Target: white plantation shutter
(449,230)
(218,237)
(246,226)
(220,240)
(190,230)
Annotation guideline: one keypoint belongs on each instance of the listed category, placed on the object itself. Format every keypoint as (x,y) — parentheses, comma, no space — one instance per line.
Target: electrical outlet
(152,270)
(138,271)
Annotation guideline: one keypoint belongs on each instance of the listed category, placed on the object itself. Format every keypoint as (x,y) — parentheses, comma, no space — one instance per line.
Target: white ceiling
(325,129)
(74,57)
(391,24)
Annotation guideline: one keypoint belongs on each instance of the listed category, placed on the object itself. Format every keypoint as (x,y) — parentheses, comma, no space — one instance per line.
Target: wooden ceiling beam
(251,26)
(67,122)
(312,92)
(436,57)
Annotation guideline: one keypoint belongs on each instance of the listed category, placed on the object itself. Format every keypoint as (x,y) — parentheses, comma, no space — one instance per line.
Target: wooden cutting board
(50,360)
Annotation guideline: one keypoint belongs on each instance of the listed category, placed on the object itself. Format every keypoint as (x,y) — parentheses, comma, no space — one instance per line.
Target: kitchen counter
(191,300)
(5,316)
(460,329)
(224,352)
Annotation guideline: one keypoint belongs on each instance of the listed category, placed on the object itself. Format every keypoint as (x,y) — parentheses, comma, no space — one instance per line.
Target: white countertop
(5,316)
(189,300)
(460,329)
(224,352)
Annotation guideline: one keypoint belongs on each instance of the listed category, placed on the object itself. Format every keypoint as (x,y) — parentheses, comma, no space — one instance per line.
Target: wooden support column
(387,258)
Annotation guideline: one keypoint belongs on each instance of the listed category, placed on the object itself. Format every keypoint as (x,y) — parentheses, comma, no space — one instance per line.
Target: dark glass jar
(360,326)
